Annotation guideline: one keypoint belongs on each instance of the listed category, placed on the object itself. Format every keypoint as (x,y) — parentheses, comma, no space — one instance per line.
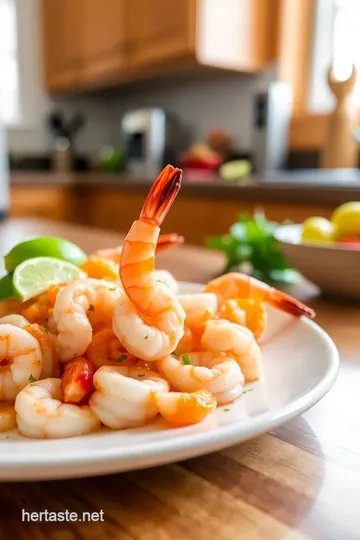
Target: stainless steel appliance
(272,115)
(150,138)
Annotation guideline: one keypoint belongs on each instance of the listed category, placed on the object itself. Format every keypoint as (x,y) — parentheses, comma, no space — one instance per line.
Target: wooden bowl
(335,269)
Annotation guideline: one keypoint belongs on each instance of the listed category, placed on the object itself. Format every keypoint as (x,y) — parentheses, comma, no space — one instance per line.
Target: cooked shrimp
(78,306)
(148,318)
(165,241)
(51,367)
(236,341)
(40,413)
(191,340)
(229,396)
(125,396)
(185,409)
(106,350)
(20,360)
(236,285)
(39,311)
(212,371)
(246,312)
(7,417)
(199,308)
(167,279)
(14,319)
(77,380)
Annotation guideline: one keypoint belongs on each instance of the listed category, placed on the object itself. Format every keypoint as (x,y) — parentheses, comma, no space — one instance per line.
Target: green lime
(45,246)
(235,170)
(34,276)
(6,287)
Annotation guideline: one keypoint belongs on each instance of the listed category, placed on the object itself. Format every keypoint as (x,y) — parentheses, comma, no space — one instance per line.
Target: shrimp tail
(289,304)
(162,195)
(168,241)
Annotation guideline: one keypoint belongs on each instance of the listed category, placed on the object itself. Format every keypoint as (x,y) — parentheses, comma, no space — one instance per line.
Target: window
(337,42)
(9,77)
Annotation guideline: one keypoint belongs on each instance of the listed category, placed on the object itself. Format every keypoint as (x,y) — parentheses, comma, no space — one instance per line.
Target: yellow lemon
(346,219)
(317,230)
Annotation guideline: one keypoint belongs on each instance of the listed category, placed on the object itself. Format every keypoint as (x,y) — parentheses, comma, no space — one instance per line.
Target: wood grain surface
(299,482)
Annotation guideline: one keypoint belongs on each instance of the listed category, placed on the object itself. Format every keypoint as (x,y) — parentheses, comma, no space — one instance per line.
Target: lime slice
(34,276)
(6,287)
(235,170)
(45,246)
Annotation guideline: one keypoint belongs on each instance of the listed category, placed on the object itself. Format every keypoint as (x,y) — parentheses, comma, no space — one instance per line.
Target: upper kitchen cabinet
(104,41)
(160,31)
(100,43)
(62,43)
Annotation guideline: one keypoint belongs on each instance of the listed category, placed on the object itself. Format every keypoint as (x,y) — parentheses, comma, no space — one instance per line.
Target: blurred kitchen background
(257,100)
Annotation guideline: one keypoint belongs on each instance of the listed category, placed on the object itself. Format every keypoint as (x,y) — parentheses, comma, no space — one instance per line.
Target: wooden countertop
(299,187)
(299,482)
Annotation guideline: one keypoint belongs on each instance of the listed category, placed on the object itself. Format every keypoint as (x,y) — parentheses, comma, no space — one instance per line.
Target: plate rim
(166,451)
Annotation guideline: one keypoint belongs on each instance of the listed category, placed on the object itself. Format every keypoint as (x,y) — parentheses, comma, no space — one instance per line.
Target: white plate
(300,365)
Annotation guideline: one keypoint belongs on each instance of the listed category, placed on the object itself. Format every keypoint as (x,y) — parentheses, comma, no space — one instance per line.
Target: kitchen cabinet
(54,203)
(160,31)
(104,41)
(62,43)
(92,43)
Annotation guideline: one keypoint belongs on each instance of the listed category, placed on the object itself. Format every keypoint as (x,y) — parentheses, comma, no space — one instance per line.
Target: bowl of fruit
(326,252)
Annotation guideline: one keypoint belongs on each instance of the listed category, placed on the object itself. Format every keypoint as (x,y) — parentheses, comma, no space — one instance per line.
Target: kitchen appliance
(4,175)
(272,115)
(150,141)
(64,132)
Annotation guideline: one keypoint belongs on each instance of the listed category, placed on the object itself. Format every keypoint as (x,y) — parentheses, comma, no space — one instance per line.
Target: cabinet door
(160,30)
(62,43)
(104,40)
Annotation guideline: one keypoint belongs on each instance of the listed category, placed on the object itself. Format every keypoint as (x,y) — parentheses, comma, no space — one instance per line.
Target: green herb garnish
(186,360)
(174,353)
(112,289)
(121,358)
(226,410)
(32,379)
(250,240)
(146,337)
(248,390)
(91,308)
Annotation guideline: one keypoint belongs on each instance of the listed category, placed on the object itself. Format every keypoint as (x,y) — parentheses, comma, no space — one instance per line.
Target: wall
(202,106)
(32,136)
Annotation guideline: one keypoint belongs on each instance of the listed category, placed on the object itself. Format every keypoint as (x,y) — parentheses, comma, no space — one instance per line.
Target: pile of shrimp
(123,346)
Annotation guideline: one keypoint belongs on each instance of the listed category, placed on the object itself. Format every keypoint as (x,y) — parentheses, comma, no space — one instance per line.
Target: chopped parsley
(158,281)
(226,410)
(141,375)
(186,360)
(121,358)
(91,308)
(174,353)
(112,289)
(32,379)
(248,390)
(146,337)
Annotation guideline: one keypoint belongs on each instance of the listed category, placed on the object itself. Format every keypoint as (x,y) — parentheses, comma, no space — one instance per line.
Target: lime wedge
(44,246)
(6,287)
(235,170)
(34,276)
